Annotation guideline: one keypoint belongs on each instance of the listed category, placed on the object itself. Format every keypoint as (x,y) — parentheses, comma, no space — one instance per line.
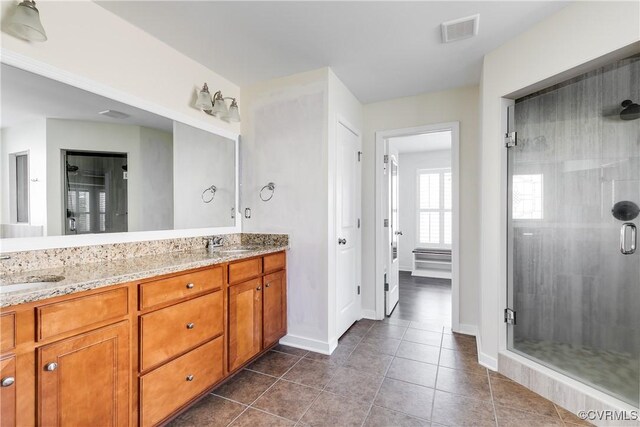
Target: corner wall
(460,104)
(579,33)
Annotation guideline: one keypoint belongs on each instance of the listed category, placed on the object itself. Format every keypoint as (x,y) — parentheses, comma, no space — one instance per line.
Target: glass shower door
(574,192)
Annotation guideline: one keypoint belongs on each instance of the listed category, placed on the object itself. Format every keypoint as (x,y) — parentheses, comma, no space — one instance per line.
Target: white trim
(310,344)
(368,314)
(467,329)
(381,136)
(33,243)
(483,358)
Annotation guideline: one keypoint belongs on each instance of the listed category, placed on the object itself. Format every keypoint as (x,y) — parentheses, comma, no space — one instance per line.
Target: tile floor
(384,373)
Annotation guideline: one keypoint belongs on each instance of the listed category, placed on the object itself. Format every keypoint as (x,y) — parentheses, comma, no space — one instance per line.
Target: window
(434,207)
(527,196)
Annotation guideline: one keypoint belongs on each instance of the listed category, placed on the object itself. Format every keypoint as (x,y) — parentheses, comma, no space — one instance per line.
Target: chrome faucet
(214,242)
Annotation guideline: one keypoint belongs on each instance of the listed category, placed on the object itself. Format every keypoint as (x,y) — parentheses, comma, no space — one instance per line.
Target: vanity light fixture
(25,22)
(217,106)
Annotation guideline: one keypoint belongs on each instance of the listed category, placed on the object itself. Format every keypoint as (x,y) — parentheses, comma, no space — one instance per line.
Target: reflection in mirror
(73,162)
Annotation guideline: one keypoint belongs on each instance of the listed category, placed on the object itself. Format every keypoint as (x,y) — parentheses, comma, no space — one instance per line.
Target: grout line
(263,393)
(435,385)
(386,371)
(493,403)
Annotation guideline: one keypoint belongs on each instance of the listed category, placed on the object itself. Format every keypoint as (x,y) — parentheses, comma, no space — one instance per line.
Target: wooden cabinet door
(274,319)
(8,391)
(84,380)
(245,322)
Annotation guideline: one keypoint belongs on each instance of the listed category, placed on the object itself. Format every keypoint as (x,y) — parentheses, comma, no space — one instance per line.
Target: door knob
(7,381)
(189,378)
(398,233)
(51,366)
(259,288)
(189,285)
(342,241)
(191,325)
(267,285)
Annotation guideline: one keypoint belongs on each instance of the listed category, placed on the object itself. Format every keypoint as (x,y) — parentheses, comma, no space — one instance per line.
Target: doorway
(417,224)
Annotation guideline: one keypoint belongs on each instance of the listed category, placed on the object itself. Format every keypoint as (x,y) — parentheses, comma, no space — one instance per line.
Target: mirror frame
(49,242)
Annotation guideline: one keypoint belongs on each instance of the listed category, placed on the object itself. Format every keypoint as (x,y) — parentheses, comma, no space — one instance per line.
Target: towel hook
(212,190)
(271,187)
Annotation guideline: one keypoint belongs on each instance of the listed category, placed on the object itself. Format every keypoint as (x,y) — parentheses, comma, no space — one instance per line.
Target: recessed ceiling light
(114,114)
(460,29)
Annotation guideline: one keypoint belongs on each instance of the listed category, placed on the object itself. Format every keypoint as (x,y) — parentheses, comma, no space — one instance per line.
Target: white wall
(31,137)
(581,32)
(284,134)
(91,42)
(97,136)
(408,166)
(202,159)
(461,105)
(288,137)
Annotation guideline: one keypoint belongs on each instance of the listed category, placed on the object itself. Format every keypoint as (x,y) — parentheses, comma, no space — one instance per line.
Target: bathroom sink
(235,251)
(28,282)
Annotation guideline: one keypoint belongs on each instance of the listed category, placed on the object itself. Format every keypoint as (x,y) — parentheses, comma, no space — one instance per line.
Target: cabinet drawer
(7,332)
(169,387)
(65,316)
(274,262)
(170,331)
(8,392)
(175,288)
(244,270)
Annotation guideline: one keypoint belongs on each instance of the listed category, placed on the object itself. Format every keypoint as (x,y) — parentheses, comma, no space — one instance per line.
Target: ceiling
(433,141)
(27,96)
(380,50)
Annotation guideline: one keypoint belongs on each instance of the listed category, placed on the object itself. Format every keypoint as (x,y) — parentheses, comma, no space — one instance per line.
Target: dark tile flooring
(384,373)
(407,370)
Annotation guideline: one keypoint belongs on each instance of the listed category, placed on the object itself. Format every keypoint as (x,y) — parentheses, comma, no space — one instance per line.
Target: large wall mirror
(74,163)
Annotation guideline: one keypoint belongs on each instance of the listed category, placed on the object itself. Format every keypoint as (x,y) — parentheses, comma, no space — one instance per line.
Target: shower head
(630,110)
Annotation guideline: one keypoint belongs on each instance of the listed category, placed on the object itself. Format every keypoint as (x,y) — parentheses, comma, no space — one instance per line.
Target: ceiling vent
(114,114)
(460,29)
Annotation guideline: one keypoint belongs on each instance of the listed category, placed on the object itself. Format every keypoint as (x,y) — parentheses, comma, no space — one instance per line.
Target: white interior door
(392,289)
(348,229)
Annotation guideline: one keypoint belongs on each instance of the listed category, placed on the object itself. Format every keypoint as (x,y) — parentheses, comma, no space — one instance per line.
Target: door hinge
(359,155)
(386,286)
(358,289)
(510,139)
(358,222)
(385,160)
(385,223)
(509,316)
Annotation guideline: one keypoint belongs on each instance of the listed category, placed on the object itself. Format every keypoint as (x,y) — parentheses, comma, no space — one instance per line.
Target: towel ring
(271,187)
(212,190)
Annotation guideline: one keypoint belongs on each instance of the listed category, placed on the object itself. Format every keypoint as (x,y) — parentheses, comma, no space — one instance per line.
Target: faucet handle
(218,240)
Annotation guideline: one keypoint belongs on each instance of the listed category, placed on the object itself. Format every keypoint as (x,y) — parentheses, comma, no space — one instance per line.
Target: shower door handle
(632,240)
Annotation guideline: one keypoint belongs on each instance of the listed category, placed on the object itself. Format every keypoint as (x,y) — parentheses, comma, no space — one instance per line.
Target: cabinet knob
(189,285)
(267,285)
(7,381)
(189,377)
(259,288)
(51,366)
(191,325)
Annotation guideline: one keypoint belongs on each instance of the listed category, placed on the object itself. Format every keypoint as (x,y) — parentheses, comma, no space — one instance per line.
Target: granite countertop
(84,277)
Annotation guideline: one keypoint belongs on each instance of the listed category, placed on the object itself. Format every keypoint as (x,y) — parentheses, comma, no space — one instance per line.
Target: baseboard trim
(467,329)
(368,314)
(308,344)
(483,358)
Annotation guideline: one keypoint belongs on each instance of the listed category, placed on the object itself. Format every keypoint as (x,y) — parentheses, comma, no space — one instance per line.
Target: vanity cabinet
(138,353)
(257,307)
(245,322)
(85,378)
